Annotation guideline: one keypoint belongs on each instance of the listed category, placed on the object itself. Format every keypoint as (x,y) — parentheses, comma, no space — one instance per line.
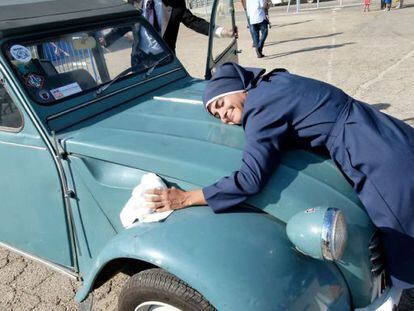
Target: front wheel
(156,289)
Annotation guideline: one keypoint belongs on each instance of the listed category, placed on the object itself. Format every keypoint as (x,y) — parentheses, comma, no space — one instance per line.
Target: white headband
(221,95)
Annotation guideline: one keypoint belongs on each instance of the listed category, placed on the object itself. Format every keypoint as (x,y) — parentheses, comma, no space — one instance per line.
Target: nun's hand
(162,200)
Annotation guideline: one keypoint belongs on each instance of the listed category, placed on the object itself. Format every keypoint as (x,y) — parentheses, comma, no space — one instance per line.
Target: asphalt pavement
(369,55)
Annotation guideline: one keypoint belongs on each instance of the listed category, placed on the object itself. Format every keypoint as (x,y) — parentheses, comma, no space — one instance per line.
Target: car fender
(240,260)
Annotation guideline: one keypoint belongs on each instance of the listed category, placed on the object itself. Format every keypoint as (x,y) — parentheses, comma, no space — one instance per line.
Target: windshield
(59,67)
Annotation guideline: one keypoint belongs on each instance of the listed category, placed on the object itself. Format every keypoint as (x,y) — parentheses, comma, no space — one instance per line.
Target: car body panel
(187,245)
(34,201)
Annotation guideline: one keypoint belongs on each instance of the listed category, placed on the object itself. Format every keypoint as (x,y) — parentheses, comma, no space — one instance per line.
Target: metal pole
(297,6)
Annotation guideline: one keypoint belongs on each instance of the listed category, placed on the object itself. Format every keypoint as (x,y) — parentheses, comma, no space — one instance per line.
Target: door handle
(238,51)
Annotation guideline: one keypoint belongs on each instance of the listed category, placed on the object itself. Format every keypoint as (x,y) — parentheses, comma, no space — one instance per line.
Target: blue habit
(374,150)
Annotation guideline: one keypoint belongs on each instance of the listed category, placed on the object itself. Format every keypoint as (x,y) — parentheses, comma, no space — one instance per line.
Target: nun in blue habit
(374,150)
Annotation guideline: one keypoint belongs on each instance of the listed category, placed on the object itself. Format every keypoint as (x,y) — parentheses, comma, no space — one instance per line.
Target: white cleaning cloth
(137,207)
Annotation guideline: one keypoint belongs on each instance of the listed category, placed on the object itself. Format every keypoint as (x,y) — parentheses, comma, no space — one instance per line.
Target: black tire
(161,286)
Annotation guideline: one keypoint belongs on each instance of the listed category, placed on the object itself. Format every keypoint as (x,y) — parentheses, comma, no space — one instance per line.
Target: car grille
(379,277)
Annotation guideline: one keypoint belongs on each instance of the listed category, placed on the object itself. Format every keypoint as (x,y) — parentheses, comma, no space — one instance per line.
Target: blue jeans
(256,29)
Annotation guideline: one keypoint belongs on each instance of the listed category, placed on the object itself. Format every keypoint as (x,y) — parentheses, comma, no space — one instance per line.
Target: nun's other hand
(165,199)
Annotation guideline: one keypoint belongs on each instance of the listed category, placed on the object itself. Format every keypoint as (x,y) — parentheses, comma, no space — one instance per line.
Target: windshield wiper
(151,69)
(122,74)
(127,71)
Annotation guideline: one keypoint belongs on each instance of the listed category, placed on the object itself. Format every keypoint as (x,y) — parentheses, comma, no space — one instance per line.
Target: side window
(10,117)
(223,19)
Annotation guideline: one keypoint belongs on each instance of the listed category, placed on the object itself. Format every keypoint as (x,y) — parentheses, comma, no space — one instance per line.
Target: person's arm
(202,26)
(115,34)
(195,23)
(260,158)
(264,135)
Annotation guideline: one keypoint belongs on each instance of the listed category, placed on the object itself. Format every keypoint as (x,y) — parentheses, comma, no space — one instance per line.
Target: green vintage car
(81,121)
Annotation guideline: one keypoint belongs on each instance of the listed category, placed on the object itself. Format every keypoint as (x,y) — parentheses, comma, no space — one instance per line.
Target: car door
(221,49)
(32,212)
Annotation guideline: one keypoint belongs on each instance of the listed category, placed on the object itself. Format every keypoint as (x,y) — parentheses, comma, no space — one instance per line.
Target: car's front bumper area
(387,301)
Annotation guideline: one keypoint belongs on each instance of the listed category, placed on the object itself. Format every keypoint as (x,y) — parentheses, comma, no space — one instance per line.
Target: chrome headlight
(334,234)
(319,232)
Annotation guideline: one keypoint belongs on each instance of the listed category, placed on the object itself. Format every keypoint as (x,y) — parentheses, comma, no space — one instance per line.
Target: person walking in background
(366,5)
(166,16)
(387,5)
(243,2)
(256,12)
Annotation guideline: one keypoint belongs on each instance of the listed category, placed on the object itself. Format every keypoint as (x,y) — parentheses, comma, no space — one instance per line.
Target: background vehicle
(79,130)
(279,2)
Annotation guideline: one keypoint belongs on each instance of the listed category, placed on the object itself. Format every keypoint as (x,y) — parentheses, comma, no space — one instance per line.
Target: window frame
(214,48)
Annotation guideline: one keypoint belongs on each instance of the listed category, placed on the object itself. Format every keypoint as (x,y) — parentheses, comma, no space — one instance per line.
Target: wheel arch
(129,266)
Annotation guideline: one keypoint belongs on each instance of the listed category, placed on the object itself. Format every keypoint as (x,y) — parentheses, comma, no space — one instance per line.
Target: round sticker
(21,53)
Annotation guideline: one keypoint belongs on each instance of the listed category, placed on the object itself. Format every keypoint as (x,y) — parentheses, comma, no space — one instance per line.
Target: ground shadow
(304,38)
(291,24)
(381,106)
(322,47)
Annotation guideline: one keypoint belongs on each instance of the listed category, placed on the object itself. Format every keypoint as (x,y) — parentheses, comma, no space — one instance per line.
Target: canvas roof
(22,16)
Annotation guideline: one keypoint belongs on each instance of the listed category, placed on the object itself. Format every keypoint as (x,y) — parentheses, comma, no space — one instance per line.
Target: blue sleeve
(260,158)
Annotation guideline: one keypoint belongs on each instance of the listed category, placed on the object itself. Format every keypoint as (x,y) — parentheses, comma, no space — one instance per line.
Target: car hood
(174,137)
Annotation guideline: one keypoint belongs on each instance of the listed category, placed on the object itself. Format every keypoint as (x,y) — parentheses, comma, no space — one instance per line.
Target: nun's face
(229,108)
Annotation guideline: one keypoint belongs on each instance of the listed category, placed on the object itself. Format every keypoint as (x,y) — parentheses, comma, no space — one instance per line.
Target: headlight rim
(330,221)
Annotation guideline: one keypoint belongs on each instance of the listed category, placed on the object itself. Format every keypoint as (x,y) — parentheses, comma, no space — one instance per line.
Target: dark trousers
(259,33)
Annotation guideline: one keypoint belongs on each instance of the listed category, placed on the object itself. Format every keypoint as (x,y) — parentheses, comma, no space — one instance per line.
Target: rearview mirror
(84,43)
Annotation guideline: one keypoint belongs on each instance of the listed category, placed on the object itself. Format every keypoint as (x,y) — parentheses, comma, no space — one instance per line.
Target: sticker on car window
(34,80)
(66,90)
(44,95)
(21,53)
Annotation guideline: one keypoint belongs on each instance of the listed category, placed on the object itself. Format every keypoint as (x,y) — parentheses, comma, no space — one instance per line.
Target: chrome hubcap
(155,306)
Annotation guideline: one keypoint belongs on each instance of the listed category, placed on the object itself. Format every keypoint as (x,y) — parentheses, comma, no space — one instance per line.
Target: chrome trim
(155,306)
(57,115)
(54,266)
(21,145)
(179,100)
(61,173)
(387,301)
(330,221)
